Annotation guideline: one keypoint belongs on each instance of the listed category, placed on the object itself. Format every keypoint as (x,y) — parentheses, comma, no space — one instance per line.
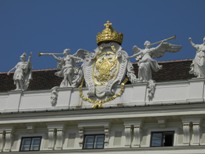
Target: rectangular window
(161,139)
(30,143)
(93,142)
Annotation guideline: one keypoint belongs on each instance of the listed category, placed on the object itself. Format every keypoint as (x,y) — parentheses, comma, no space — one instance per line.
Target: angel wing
(136,49)
(81,53)
(60,63)
(165,47)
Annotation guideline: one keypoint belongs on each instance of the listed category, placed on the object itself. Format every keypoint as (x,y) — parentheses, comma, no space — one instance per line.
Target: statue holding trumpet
(67,68)
(145,57)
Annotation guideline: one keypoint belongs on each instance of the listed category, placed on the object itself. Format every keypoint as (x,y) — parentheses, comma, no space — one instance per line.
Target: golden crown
(109,34)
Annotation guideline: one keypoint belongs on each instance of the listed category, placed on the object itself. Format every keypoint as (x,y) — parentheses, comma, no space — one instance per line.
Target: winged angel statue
(67,68)
(145,57)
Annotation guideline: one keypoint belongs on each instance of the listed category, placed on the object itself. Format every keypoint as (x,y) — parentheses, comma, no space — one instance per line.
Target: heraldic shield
(104,69)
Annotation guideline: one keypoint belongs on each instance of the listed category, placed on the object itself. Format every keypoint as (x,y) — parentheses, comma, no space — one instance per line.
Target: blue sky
(53,25)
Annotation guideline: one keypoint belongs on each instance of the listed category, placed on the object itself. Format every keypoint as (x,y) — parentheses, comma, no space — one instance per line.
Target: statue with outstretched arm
(198,63)
(66,67)
(23,72)
(145,57)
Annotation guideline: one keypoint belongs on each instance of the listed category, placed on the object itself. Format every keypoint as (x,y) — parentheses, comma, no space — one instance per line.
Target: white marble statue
(68,70)
(22,74)
(145,57)
(198,63)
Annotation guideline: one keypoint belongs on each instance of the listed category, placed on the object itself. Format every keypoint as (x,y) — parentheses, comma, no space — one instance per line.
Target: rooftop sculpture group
(107,67)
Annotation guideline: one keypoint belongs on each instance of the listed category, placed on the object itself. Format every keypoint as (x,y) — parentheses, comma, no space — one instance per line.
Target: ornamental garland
(99,103)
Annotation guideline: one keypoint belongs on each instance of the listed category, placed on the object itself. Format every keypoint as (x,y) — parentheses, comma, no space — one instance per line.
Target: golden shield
(105,68)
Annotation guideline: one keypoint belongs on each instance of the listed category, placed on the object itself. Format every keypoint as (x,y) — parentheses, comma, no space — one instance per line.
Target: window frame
(94,142)
(163,133)
(30,145)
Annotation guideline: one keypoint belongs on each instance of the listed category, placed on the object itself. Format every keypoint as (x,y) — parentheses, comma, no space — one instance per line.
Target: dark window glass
(93,142)
(156,139)
(30,144)
(160,139)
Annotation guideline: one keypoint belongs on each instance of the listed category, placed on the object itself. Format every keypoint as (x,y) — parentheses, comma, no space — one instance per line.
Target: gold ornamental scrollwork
(99,103)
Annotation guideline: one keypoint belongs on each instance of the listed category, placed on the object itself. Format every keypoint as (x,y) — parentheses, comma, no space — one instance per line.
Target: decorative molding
(194,122)
(8,139)
(51,138)
(106,131)
(161,122)
(196,132)
(93,123)
(136,135)
(59,138)
(2,140)
(81,134)
(186,131)
(54,95)
(127,131)
(30,128)
(151,89)
(55,136)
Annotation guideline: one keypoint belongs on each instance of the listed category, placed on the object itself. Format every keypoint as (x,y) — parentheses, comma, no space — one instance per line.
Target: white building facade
(128,124)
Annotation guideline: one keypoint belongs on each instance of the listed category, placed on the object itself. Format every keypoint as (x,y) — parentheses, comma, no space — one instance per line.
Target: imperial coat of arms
(108,66)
